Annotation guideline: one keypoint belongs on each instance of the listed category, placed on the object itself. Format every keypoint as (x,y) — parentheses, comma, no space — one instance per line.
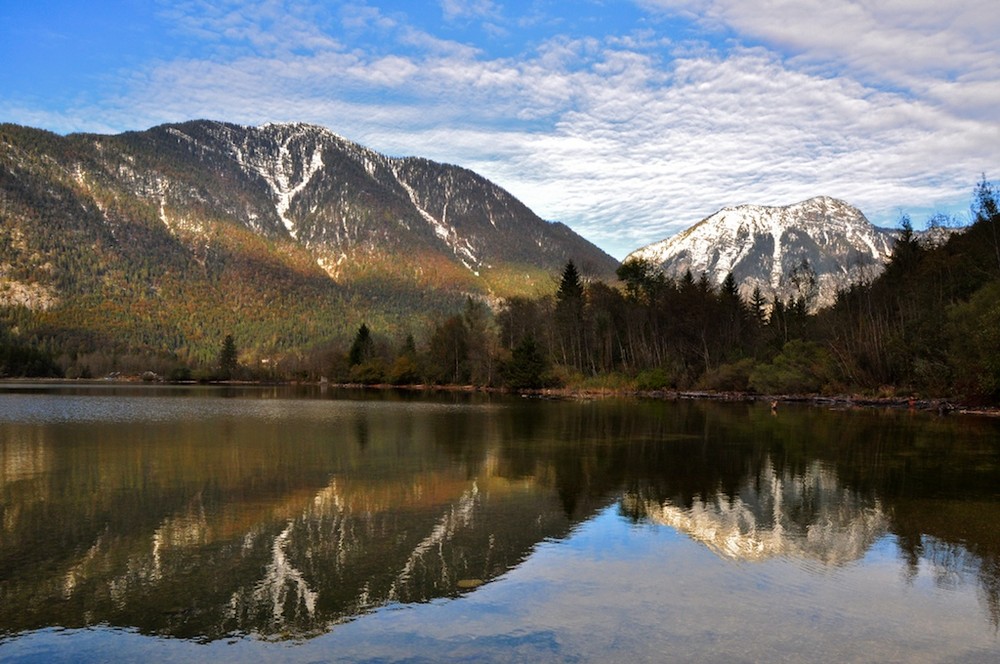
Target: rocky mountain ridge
(336,196)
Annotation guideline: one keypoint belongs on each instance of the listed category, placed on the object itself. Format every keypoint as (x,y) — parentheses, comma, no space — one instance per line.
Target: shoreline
(940,406)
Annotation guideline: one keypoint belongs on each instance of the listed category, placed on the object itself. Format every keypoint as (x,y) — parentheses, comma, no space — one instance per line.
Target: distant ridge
(765,246)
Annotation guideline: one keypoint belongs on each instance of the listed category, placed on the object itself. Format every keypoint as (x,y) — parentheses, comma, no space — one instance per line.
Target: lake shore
(939,406)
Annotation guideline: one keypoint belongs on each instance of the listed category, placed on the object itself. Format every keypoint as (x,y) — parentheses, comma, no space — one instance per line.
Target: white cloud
(911,44)
(626,138)
(265,26)
(459,9)
(640,157)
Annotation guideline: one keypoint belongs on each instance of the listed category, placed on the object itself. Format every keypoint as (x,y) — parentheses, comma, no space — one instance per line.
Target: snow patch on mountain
(285,172)
(286,191)
(461,247)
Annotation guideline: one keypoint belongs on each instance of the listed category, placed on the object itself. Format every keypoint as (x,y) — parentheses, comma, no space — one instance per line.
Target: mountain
(285,235)
(809,249)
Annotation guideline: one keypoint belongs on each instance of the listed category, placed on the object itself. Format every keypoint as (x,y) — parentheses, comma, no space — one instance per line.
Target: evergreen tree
(687,280)
(228,360)
(905,251)
(362,348)
(758,306)
(569,317)
(729,287)
(640,277)
(730,335)
(526,367)
(570,286)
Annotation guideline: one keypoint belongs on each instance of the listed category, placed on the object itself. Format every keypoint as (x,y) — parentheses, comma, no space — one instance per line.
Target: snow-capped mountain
(808,249)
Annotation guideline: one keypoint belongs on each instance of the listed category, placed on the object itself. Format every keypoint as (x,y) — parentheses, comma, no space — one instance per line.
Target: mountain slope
(808,249)
(285,235)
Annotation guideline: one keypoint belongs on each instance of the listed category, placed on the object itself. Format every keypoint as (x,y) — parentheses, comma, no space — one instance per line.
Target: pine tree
(569,316)
(758,305)
(729,287)
(570,287)
(228,361)
(362,348)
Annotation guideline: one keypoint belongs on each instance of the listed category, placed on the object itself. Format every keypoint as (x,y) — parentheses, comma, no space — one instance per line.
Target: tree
(480,338)
(449,352)
(906,251)
(526,367)
(521,317)
(805,286)
(729,287)
(228,361)
(758,306)
(986,210)
(640,277)
(570,286)
(405,369)
(569,316)
(362,348)
(974,328)
(730,323)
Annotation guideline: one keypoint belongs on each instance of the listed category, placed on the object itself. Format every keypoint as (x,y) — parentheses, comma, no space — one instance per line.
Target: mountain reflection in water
(809,516)
(194,516)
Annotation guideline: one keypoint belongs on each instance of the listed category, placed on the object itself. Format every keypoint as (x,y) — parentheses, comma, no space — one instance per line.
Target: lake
(302,524)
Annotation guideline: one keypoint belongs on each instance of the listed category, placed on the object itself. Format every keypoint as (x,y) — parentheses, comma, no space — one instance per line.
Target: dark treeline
(929,325)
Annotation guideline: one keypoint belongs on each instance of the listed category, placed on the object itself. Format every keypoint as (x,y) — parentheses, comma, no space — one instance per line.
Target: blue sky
(627,120)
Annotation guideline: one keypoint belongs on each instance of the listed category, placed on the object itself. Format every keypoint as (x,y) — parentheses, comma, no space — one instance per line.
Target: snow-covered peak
(761,245)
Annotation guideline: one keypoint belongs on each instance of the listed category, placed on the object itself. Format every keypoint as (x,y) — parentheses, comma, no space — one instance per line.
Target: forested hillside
(146,249)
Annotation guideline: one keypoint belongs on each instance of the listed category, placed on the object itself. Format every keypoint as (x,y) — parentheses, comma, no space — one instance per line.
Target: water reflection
(281,515)
(247,522)
(810,516)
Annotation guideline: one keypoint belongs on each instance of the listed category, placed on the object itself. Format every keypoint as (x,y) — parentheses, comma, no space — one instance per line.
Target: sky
(628,120)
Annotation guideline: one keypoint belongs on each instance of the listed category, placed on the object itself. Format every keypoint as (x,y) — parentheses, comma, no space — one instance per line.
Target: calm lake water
(301,525)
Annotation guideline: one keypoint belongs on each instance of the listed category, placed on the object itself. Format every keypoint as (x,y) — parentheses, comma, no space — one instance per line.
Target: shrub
(733,377)
(801,367)
(404,371)
(371,372)
(654,379)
